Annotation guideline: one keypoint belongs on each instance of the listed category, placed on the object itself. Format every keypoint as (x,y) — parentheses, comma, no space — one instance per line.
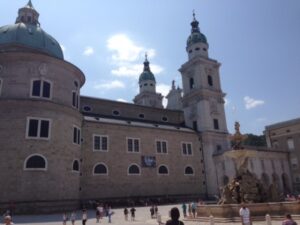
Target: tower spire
(28,15)
(195,24)
(146,63)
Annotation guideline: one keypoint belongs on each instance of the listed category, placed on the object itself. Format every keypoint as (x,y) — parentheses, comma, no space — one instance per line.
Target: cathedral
(59,148)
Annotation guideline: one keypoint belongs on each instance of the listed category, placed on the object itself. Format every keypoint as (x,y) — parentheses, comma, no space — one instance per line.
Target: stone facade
(286,136)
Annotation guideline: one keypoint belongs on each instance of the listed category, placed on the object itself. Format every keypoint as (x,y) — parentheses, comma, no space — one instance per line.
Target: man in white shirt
(7,220)
(245,215)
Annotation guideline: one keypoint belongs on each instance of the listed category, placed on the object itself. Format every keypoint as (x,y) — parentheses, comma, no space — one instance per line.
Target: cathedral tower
(147,84)
(203,100)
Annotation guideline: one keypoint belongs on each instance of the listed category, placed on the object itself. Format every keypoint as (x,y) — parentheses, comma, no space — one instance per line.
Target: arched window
(100,169)
(210,80)
(163,170)
(188,170)
(76,166)
(134,170)
(192,84)
(35,162)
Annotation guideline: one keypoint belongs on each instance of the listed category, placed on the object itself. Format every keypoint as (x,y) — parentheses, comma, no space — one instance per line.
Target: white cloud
(110,85)
(127,56)
(164,90)
(121,100)
(88,51)
(251,103)
(134,70)
(123,48)
(226,100)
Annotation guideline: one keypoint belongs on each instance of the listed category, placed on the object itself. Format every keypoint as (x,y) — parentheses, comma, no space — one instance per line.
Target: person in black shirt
(174,217)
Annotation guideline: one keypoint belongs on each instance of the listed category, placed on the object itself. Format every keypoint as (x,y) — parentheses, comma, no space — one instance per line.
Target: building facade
(286,136)
(58,148)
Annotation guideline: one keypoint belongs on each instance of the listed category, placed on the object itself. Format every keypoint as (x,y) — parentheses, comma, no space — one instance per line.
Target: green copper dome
(195,36)
(146,74)
(27,33)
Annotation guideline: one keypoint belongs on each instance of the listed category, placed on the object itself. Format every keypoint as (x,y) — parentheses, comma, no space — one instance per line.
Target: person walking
(73,217)
(175,214)
(194,207)
(190,209)
(288,220)
(152,211)
(126,214)
(109,214)
(184,209)
(84,216)
(245,215)
(65,218)
(155,211)
(98,213)
(132,210)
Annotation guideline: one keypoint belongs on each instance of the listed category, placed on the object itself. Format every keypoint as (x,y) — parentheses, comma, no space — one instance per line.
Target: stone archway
(285,183)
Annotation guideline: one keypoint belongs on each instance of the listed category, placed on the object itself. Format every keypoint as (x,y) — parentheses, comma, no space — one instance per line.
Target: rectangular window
(161,147)
(41,88)
(0,85)
(216,124)
(290,143)
(133,145)
(195,125)
(76,135)
(186,148)
(75,99)
(38,128)
(100,143)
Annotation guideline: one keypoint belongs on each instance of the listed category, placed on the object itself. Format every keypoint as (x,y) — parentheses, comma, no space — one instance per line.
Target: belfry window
(41,88)
(210,80)
(192,84)
(216,124)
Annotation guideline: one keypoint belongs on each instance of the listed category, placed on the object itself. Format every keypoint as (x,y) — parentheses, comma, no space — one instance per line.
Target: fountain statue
(245,187)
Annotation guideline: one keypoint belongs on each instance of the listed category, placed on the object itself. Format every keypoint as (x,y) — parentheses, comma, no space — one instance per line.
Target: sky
(257,43)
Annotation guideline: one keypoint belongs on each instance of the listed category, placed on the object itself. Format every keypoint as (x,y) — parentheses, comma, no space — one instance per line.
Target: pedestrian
(65,218)
(7,220)
(109,214)
(84,216)
(73,217)
(132,210)
(152,211)
(155,211)
(98,213)
(288,220)
(190,209)
(126,214)
(175,214)
(194,207)
(184,209)
(245,215)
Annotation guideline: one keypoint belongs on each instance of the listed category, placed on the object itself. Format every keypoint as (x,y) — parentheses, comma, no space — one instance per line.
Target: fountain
(247,188)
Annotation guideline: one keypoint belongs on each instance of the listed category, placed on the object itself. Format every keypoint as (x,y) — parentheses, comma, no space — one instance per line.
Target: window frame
(163,174)
(78,138)
(290,144)
(1,85)
(41,88)
(35,169)
(39,128)
(76,171)
(100,174)
(185,174)
(216,124)
(187,143)
(139,146)
(134,174)
(100,136)
(77,99)
(161,141)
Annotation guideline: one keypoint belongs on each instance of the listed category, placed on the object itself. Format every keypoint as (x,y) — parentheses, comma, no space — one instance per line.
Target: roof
(283,124)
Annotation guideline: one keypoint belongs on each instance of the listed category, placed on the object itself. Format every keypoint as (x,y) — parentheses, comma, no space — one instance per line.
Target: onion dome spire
(196,35)
(146,74)
(195,24)
(146,63)
(28,15)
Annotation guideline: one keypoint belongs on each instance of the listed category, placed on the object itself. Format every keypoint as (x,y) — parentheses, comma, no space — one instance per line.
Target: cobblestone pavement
(142,218)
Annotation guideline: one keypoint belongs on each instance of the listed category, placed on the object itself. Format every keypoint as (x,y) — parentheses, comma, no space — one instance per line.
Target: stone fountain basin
(256,209)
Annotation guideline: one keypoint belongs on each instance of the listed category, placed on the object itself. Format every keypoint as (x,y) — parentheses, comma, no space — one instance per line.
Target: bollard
(268,220)
(211,220)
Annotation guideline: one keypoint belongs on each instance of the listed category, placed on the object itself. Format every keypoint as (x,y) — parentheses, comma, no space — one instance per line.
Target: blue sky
(257,43)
